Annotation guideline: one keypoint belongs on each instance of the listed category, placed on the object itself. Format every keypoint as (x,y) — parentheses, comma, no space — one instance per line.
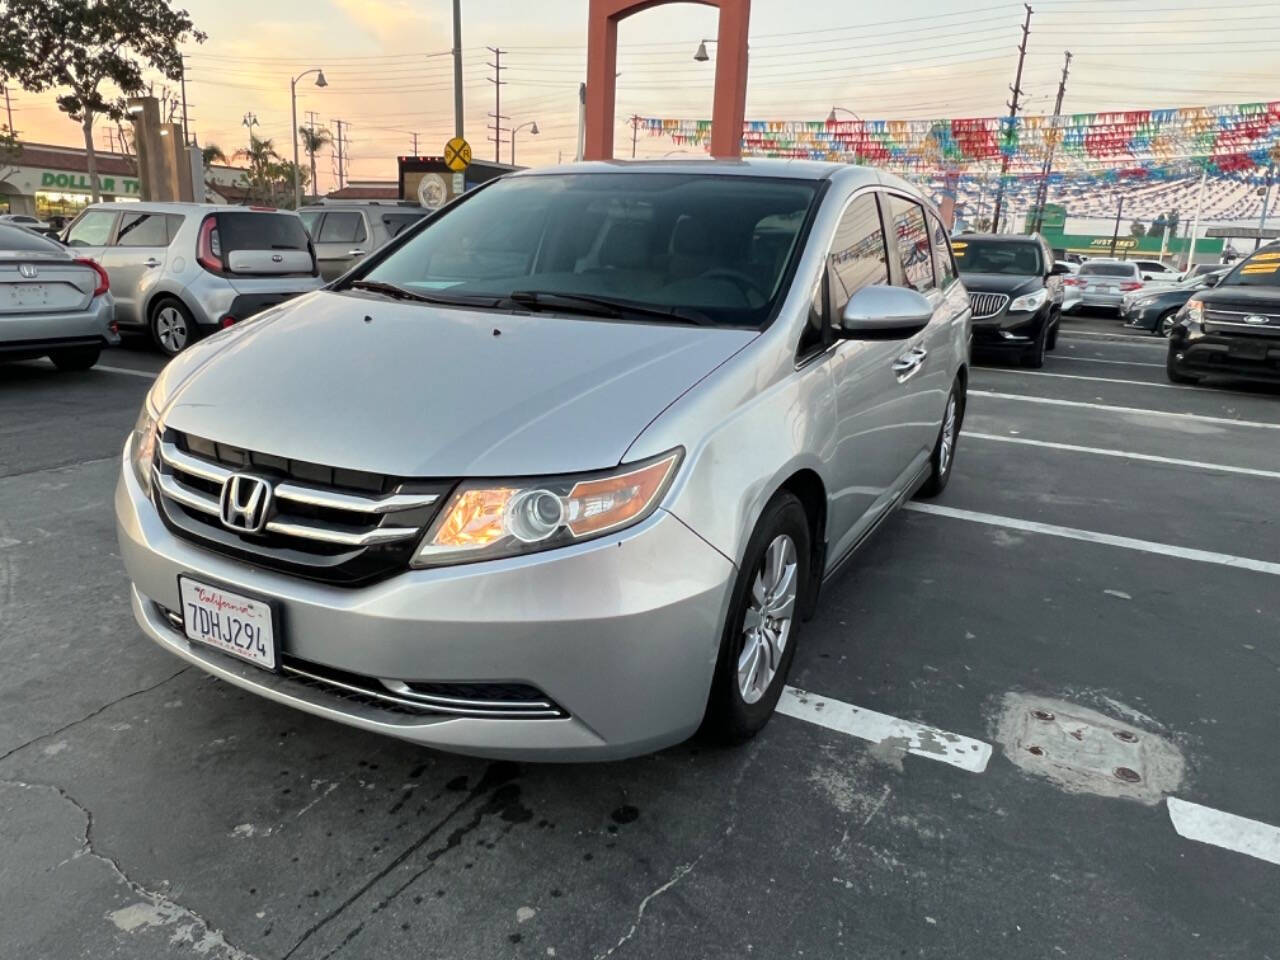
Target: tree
(211,153)
(93,52)
(314,139)
(269,177)
(1137,230)
(10,151)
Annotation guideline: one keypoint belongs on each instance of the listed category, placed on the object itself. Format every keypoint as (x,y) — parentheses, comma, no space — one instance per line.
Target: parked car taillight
(208,247)
(104,282)
(1131,285)
(1073,281)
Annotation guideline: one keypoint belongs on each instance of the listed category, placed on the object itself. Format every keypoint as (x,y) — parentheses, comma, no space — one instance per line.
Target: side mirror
(1212,280)
(884,313)
(1059,269)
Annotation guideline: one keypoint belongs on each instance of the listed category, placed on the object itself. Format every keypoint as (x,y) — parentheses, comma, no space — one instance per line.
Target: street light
(831,117)
(533,129)
(293,101)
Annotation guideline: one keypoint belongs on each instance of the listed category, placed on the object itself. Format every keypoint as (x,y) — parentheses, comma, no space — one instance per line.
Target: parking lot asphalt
(1107,548)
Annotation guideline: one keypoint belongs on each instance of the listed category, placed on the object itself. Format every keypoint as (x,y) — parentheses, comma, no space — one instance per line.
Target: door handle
(355,253)
(910,363)
(151,262)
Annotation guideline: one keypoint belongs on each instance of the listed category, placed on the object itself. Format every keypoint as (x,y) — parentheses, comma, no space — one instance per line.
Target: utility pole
(457,68)
(8,109)
(1115,234)
(1042,195)
(339,140)
(415,143)
(498,84)
(635,128)
(1013,113)
(182,78)
(1195,223)
(249,122)
(1266,201)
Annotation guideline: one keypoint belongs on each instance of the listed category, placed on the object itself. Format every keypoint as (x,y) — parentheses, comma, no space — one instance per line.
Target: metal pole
(582,120)
(513,146)
(1115,234)
(1042,195)
(293,107)
(457,68)
(182,77)
(1195,223)
(1013,113)
(8,109)
(1266,200)
(635,128)
(1164,243)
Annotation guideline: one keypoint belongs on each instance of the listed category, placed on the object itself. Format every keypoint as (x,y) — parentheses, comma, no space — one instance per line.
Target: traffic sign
(457,154)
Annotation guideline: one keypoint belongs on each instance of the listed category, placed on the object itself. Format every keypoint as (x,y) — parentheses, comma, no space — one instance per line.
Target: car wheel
(1052,343)
(1034,356)
(1164,326)
(172,327)
(76,358)
(1176,375)
(759,638)
(944,448)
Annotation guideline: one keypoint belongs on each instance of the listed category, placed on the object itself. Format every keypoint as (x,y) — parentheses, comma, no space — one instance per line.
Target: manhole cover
(1084,751)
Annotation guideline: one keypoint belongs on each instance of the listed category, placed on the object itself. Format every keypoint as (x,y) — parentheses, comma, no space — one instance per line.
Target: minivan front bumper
(622,633)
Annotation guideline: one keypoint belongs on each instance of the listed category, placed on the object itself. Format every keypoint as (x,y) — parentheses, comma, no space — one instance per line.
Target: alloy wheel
(767,624)
(171,329)
(948,444)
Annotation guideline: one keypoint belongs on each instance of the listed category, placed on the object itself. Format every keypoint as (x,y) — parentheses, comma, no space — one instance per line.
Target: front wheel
(759,638)
(1034,355)
(1164,326)
(75,358)
(1052,343)
(1177,376)
(944,449)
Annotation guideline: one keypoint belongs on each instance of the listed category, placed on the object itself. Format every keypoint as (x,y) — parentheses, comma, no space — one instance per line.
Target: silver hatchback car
(184,270)
(559,473)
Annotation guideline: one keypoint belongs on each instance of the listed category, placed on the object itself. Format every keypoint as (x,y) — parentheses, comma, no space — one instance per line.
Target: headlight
(485,520)
(143,448)
(1195,310)
(1030,301)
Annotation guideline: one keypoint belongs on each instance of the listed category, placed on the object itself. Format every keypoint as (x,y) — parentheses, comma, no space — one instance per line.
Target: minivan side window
(908,225)
(142,230)
(342,228)
(92,229)
(858,258)
(944,264)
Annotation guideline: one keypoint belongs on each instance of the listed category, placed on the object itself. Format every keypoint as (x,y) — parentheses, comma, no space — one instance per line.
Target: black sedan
(1154,308)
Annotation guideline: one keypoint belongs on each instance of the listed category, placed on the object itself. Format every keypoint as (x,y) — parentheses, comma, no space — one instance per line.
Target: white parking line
(1093,536)
(1080,376)
(1239,834)
(1107,337)
(145,374)
(1126,455)
(915,738)
(1138,411)
(1122,363)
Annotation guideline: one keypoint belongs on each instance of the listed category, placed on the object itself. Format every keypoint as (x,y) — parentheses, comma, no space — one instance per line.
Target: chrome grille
(987,304)
(1235,318)
(351,533)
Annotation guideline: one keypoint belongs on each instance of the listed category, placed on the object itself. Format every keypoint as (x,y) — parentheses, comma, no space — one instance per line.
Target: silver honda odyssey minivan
(560,472)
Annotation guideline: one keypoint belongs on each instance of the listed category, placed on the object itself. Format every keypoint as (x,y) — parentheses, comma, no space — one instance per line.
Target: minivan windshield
(1260,270)
(684,245)
(998,256)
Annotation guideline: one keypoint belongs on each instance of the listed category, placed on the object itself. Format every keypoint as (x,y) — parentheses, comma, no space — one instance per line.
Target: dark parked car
(1155,308)
(1232,330)
(1015,290)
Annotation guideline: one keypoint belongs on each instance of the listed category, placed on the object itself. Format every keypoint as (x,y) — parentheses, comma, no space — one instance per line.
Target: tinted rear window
(1108,269)
(15,238)
(260,231)
(395,222)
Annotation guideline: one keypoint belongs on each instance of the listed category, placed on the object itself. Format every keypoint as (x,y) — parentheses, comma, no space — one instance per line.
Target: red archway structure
(730,107)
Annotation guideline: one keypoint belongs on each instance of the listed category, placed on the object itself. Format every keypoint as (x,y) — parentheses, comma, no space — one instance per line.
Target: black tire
(173,329)
(1033,358)
(944,458)
(75,358)
(1176,375)
(731,717)
(1165,318)
(1052,342)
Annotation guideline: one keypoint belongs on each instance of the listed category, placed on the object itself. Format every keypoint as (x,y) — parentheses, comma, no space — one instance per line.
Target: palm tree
(314,139)
(261,157)
(212,153)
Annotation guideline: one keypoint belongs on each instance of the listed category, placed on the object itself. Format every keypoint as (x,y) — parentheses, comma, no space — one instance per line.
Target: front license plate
(1250,351)
(232,622)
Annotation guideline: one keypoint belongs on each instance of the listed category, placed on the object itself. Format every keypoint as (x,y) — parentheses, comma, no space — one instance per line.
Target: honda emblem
(246,503)
(29,271)
(277,258)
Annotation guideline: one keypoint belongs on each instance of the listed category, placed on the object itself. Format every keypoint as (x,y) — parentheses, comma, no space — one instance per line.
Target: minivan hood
(413,390)
(1000,283)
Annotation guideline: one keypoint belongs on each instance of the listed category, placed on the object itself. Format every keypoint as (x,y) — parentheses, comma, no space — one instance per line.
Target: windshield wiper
(604,306)
(402,293)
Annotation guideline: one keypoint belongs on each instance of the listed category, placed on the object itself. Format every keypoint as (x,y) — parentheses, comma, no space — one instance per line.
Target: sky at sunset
(389,74)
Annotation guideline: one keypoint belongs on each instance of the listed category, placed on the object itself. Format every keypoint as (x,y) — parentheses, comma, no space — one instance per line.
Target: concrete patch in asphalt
(1084,751)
